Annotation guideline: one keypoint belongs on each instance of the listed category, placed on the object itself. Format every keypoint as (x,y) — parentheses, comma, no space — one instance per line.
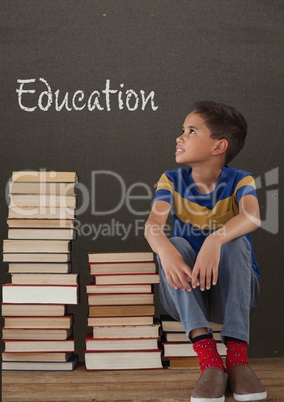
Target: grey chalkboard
(159,57)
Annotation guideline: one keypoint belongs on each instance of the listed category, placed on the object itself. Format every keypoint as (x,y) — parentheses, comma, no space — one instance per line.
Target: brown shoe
(211,386)
(245,384)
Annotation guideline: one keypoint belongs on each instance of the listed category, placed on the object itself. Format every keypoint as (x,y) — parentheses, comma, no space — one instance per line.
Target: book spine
(41,227)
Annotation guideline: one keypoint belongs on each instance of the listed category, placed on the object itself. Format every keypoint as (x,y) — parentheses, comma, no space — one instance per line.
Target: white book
(32,310)
(36,334)
(36,356)
(121,344)
(33,176)
(123,360)
(41,234)
(45,279)
(40,223)
(185,349)
(39,346)
(42,188)
(36,257)
(39,268)
(41,213)
(40,366)
(39,294)
(121,257)
(36,246)
(129,331)
(42,200)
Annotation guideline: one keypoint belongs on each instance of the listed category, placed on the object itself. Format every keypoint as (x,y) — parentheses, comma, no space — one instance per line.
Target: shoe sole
(194,399)
(251,397)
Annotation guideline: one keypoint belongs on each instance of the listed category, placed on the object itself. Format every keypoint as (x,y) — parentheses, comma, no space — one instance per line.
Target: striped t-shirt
(195,214)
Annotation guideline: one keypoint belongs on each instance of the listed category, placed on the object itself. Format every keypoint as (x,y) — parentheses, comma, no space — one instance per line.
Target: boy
(208,271)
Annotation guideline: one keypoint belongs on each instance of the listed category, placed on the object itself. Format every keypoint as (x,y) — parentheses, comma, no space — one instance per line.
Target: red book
(118,289)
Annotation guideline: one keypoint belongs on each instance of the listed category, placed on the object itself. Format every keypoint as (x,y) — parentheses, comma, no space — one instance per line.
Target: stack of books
(37,330)
(121,312)
(177,349)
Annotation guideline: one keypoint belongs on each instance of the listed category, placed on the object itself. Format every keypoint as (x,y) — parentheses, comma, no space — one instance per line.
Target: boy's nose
(179,139)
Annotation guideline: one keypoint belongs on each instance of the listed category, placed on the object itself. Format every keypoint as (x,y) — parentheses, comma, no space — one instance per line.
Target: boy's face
(195,144)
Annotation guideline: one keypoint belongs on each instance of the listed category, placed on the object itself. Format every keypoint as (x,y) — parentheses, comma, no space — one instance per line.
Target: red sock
(236,353)
(207,354)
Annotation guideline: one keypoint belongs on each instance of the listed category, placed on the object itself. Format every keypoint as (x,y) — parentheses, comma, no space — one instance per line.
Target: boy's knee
(236,248)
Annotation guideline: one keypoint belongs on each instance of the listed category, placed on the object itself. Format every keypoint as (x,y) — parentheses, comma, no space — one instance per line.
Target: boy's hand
(207,264)
(178,273)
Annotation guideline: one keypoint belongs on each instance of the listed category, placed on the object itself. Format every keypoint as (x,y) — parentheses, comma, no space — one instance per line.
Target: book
(120,299)
(104,289)
(103,360)
(113,321)
(44,279)
(36,356)
(36,257)
(182,362)
(42,294)
(18,310)
(63,322)
(41,213)
(40,366)
(120,257)
(130,331)
(181,336)
(168,324)
(122,268)
(121,344)
(39,346)
(175,337)
(42,188)
(41,223)
(41,234)
(36,246)
(172,349)
(44,176)
(37,331)
(36,334)
(121,311)
(39,268)
(126,279)
(42,200)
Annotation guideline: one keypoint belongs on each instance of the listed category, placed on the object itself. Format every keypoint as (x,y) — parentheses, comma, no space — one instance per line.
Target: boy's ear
(220,147)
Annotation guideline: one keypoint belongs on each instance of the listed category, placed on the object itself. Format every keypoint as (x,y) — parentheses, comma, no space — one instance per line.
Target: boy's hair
(224,122)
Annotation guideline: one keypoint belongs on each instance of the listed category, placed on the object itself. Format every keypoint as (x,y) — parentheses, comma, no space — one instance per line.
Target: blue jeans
(229,302)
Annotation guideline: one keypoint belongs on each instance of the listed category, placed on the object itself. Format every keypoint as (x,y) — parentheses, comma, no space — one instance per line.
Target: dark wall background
(185,51)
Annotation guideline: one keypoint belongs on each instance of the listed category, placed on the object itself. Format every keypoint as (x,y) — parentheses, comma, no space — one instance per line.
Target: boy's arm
(178,273)
(207,262)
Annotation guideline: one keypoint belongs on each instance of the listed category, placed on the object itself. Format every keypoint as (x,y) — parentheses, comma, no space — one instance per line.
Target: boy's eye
(191,131)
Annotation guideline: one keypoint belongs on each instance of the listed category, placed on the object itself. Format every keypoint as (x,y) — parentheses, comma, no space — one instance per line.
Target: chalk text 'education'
(95,101)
